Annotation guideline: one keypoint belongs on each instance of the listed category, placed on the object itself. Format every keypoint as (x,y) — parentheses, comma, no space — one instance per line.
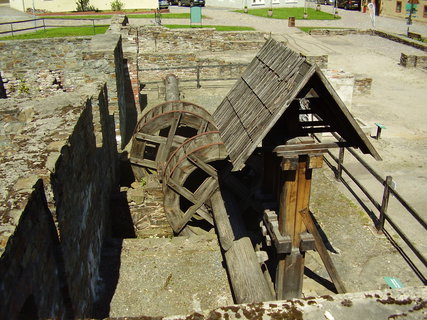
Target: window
(399,6)
(257,2)
(425,12)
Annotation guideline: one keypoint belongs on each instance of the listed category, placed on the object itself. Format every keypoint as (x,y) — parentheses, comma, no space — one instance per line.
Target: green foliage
(83,5)
(143,182)
(298,13)
(22,87)
(117,5)
(133,16)
(59,32)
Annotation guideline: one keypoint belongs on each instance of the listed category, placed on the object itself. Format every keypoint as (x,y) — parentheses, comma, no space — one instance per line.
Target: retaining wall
(31,283)
(412,61)
(190,40)
(69,145)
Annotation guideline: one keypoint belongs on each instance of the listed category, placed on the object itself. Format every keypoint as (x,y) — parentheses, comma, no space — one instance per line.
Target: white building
(70,5)
(252,4)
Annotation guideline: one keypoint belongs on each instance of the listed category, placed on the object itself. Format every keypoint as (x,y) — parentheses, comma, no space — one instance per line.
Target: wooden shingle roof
(270,84)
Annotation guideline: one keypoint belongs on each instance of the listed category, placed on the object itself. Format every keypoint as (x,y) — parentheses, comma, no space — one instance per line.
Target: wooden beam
(222,222)
(309,147)
(246,277)
(321,249)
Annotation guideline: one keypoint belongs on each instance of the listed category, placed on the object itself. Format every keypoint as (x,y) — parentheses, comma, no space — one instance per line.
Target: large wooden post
(294,198)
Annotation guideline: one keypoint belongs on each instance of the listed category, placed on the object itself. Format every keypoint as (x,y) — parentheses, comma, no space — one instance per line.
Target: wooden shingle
(275,77)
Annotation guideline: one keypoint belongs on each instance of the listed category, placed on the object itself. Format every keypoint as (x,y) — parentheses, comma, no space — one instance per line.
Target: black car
(163,4)
(191,3)
(348,4)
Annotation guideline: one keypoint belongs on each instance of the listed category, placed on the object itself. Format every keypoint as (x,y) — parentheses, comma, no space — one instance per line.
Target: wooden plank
(171,135)
(222,222)
(143,162)
(323,252)
(288,202)
(202,165)
(149,137)
(246,277)
(293,277)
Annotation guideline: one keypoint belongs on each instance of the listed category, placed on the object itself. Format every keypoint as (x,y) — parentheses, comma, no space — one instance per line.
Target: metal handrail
(198,69)
(35,27)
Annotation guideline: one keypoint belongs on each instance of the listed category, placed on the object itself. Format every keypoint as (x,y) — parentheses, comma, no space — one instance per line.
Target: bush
(117,5)
(83,5)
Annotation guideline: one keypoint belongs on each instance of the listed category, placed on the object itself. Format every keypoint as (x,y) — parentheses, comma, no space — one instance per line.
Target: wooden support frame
(299,157)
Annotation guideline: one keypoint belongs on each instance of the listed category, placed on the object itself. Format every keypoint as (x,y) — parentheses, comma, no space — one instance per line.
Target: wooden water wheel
(191,178)
(162,129)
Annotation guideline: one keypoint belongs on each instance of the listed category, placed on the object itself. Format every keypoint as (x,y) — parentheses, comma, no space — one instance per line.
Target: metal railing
(40,23)
(197,72)
(382,206)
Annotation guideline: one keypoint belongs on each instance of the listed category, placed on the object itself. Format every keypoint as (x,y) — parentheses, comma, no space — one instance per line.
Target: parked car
(191,3)
(348,4)
(163,4)
(327,2)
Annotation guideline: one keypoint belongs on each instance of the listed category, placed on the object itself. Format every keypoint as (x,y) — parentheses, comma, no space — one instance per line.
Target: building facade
(402,8)
(67,5)
(252,4)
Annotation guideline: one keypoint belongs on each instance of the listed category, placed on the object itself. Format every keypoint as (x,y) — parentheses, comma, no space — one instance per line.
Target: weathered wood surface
(188,178)
(265,90)
(222,221)
(162,129)
(270,84)
(246,277)
(323,252)
(171,88)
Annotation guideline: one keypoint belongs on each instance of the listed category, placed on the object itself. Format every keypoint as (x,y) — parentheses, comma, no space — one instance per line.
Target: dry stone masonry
(68,108)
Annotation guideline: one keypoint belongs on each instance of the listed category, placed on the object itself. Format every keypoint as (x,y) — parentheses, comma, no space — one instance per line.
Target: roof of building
(271,96)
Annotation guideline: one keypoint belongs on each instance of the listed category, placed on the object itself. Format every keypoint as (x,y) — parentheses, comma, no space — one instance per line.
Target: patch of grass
(59,32)
(217,28)
(308,29)
(298,13)
(133,16)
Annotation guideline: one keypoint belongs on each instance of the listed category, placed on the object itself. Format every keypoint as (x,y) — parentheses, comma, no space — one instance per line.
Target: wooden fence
(336,163)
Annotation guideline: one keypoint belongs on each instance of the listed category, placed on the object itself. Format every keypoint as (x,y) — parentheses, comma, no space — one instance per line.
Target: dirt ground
(397,100)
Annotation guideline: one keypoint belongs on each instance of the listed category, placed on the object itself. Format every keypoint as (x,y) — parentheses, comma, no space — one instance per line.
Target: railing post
(338,173)
(11,28)
(384,204)
(198,76)
(93,23)
(44,25)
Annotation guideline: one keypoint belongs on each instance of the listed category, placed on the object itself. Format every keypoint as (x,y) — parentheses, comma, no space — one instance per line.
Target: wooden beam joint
(282,243)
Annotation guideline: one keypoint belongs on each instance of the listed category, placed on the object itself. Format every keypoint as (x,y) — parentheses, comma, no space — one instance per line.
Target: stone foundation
(412,61)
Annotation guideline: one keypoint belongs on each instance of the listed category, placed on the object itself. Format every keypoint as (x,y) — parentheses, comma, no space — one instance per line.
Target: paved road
(9,14)
(222,16)
(349,19)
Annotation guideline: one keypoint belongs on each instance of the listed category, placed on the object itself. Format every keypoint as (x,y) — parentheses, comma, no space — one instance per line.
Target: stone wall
(31,283)
(70,145)
(82,183)
(36,67)
(412,61)
(184,66)
(40,68)
(191,40)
